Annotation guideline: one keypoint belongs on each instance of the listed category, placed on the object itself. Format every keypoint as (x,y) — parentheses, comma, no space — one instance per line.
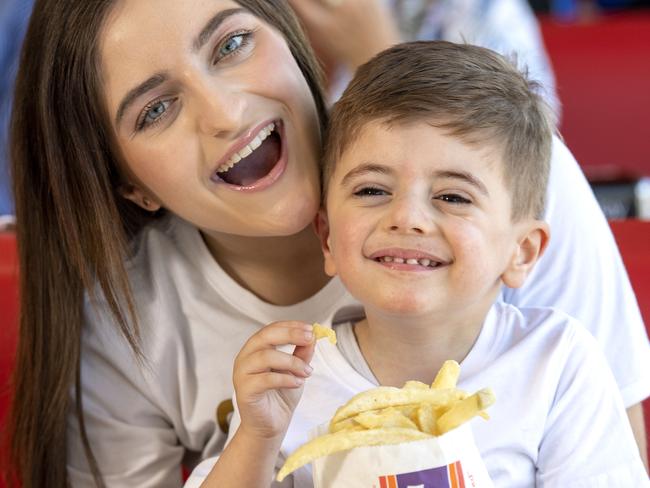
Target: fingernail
(299,381)
(309,334)
(308,369)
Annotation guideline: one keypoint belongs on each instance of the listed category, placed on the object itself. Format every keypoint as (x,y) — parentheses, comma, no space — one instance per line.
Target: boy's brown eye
(370,191)
(453,198)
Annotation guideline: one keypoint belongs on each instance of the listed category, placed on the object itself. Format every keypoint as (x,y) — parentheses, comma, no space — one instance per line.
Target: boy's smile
(420,223)
(407,260)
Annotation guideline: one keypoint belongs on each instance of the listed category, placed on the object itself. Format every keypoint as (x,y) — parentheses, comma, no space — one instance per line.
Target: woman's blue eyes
(156,111)
(231,45)
(153,113)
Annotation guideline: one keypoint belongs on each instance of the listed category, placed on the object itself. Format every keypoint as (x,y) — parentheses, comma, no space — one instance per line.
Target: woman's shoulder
(159,263)
(547,325)
(165,235)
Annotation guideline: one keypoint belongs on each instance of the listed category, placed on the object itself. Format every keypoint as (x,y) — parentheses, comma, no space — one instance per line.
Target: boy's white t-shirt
(558,420)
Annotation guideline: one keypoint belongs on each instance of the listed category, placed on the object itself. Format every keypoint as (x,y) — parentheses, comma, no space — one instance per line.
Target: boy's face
(418,222)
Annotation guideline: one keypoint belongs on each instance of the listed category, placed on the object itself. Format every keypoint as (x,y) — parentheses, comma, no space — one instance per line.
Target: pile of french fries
(389,415)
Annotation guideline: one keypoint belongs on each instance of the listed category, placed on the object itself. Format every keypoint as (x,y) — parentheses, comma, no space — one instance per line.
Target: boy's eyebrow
(365,169)
(159,78)
(464,176)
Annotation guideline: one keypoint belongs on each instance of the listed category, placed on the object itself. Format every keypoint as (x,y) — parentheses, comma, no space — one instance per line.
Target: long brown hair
(73,228)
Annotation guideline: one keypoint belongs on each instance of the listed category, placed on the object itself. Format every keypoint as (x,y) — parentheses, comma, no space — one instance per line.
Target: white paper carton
(448,461)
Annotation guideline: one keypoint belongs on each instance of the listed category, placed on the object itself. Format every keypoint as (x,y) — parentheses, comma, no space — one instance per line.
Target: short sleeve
(587,429)
(582,274)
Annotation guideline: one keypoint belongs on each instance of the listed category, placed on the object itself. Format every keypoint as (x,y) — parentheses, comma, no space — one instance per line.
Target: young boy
(434,179)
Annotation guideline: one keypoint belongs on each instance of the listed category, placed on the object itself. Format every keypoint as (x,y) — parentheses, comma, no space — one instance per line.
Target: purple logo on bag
(450,476)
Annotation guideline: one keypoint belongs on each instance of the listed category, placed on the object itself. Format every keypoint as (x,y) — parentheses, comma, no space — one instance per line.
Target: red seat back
(602,67)
(8,318)
(8,313)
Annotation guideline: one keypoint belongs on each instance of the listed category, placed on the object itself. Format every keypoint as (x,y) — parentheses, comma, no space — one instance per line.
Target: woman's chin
(295,217)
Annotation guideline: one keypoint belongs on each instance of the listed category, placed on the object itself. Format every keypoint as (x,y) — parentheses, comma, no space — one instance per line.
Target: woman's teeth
(248,149)
(422,262)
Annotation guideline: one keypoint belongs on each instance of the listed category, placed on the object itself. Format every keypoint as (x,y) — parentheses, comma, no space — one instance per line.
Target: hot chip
(321,332)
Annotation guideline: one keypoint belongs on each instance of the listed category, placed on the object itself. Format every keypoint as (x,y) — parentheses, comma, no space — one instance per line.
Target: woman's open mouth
(256,162)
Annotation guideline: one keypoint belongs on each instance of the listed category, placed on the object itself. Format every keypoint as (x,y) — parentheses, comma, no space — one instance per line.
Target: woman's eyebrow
(213,24)
(159,78)
(138,91)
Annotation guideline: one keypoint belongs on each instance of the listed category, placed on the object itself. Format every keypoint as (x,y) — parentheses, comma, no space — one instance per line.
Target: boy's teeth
(422,262)
(248,149)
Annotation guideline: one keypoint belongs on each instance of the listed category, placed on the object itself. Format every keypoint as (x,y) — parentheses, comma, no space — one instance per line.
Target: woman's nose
(219,108)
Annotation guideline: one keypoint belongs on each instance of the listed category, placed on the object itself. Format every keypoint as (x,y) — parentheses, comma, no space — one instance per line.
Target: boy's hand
(268,382)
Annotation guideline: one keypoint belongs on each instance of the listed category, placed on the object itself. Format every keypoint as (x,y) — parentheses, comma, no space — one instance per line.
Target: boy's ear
(321,225)
(531,244)
(140,197)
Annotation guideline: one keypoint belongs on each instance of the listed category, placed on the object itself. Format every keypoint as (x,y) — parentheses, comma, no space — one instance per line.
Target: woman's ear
(139,197)
(531,244)
(321,225)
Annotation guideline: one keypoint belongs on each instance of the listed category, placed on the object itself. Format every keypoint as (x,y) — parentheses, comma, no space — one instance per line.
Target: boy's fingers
(278,334)
(305,353)
(268,381)
(272,359)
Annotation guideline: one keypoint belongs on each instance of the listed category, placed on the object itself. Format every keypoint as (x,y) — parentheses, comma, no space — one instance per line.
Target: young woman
(165,162)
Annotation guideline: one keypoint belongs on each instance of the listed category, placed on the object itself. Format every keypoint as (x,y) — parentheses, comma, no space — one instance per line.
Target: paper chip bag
(447,461)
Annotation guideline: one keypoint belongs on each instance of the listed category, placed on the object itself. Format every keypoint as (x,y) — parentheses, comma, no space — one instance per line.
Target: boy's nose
(414,229)
(410,216)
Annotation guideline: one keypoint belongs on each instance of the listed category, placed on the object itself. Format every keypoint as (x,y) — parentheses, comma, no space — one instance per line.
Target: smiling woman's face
(192,88)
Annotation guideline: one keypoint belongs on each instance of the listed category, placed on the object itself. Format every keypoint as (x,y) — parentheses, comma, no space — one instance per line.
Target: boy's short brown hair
(472,92)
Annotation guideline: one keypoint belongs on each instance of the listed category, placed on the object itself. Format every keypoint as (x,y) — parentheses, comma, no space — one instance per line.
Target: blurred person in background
(14,15)
(347,33)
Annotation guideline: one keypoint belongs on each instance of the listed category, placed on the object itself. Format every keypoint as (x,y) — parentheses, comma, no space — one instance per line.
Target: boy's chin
(406,309)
